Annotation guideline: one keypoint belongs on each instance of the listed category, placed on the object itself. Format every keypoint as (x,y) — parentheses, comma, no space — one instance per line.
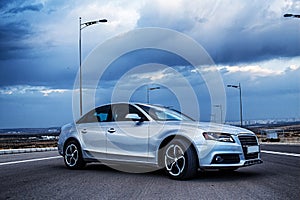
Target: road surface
(42,175)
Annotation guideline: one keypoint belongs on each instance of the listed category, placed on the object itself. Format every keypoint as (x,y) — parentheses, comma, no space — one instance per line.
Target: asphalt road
(277,178)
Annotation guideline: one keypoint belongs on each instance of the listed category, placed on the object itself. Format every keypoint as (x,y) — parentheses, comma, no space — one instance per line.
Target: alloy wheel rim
(71,155)
(174,160)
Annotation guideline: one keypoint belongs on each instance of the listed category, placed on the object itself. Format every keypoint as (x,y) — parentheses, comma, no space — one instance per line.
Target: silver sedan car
(142,134)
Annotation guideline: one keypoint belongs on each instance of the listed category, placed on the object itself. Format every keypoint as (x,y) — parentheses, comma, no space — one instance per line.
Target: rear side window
(103,114)
(100,114)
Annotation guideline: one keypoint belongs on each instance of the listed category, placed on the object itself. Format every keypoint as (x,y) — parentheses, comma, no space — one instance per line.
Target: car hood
(212,127)
(222,128)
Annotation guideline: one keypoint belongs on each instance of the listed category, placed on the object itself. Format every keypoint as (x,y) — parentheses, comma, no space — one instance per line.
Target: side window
(119,112)
(90,117)
(101,114)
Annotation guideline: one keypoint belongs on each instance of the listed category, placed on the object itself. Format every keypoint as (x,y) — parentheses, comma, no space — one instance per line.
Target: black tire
(73,156)
(180,160)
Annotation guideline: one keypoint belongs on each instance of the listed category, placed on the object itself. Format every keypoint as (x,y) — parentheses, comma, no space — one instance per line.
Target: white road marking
(281,153)
(30,160)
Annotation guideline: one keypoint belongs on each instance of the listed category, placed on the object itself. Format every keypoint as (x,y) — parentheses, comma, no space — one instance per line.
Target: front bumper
(214,154)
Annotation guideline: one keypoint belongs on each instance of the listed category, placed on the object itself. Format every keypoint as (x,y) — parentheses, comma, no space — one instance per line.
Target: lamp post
(149,89)
(221,111)
(213,118)
(291,15)
(241,107)
(82,26)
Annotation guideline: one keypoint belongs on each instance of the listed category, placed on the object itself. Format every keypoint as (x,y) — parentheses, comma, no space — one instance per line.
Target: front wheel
(73,156)
(180,160)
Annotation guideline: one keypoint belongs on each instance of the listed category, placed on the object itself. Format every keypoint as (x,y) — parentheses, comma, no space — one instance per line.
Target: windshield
(164,114)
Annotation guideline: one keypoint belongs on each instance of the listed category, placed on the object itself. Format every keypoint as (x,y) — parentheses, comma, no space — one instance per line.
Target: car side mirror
(133,117)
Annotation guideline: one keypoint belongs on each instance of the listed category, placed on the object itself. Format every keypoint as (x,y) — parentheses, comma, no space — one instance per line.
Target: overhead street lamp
(241,107)
(221,111)
(291,15)
(150,89)
(82,26)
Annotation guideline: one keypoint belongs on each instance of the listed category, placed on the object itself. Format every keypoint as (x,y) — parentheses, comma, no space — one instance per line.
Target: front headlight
(221,137)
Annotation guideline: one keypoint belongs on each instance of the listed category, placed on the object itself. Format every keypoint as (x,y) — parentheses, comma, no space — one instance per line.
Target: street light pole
(221,110)
(241,105)
(82,26)
(80,72)
(148,90)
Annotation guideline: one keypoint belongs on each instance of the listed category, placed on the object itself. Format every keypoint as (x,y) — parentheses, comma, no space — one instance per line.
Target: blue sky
(249,41)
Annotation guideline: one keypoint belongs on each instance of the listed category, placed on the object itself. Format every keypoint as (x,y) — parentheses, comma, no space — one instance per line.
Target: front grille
(246,141)
(251,156)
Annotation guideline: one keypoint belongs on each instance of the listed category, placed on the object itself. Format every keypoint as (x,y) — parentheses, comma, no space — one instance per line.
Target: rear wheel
(180,160)
(73,155)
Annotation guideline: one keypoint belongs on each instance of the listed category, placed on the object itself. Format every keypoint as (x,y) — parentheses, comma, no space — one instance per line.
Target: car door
(127,138)
(92,129)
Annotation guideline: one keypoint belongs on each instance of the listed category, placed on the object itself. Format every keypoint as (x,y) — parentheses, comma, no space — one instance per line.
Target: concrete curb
(27,150)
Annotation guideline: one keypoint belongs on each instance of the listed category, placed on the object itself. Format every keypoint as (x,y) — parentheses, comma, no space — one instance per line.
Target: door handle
(111,130)
(84,131)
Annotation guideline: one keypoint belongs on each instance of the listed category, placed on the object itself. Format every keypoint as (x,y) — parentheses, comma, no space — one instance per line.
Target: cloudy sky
(249,42)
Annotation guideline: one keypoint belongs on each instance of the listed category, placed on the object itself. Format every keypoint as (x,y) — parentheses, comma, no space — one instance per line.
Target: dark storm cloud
(33,7)
(12,39)
(37,74)
(16,28)
(5,4)
(140,57)
(239,32)
(246,45)
(242,46)
(15,6)
(24,59)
